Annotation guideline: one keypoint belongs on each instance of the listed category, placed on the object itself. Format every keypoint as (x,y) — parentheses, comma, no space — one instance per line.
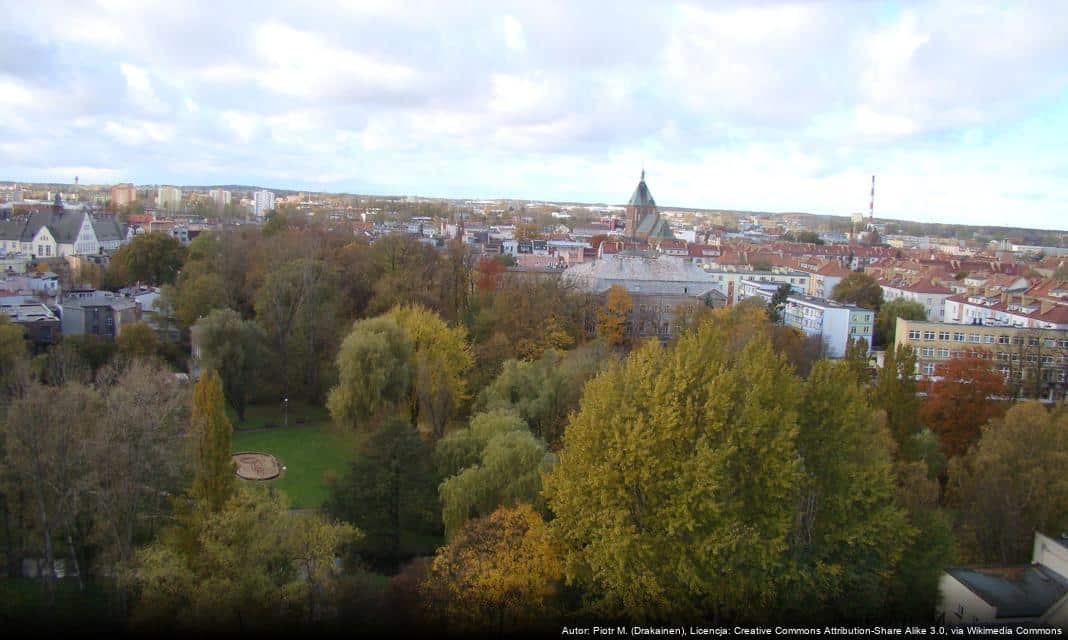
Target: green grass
(272,415)
(307,452)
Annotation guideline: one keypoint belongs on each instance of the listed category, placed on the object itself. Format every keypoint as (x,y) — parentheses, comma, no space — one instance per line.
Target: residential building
(123,195)
(262,202)
(53,234)
(1034,358)
(169,198)
(41,324)
(221,198)
(1047,311)
(922,290)
(1032,595)
(836,324)
(660,286)
(98,315)
(728,278)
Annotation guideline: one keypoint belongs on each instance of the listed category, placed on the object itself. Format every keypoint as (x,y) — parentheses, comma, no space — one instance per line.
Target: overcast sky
(961,110)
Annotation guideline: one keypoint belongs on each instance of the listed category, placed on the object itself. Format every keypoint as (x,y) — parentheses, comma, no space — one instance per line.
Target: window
(943,335)
(1017,340)
(988,339)
(1049,342)
(1003,339)
(958,337)
(914,335)
(973,337)
(1032,342)
(928,369)
(943,353)
(928,335)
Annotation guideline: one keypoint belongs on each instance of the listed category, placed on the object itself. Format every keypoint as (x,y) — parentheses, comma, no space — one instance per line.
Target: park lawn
(260,416)
(307,452)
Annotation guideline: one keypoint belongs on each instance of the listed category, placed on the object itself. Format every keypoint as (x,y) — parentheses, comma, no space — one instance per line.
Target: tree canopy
(858,289)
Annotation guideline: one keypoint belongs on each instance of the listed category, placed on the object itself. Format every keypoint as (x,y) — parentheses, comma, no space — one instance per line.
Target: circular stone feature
(252,465)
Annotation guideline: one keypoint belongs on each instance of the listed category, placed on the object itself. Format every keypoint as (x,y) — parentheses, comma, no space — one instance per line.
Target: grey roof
(63,226)
(108,229)
(660,275)
(100,301)
(641,196)
(1016,592)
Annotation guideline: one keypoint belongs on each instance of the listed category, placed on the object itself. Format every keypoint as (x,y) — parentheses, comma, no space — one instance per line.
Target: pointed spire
(643,174)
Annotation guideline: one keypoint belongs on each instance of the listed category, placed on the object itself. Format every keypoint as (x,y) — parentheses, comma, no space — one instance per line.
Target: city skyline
(961,111)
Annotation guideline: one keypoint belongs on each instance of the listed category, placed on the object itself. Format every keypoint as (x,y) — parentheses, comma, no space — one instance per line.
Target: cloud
(961,108)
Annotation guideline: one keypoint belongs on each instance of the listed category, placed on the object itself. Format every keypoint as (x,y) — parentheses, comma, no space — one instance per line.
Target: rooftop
(1016,592)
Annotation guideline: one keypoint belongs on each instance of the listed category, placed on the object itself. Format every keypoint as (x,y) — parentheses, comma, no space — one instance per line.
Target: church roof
(642,197)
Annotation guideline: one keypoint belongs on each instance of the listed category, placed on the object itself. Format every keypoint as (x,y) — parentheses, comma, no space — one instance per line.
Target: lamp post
(285,407)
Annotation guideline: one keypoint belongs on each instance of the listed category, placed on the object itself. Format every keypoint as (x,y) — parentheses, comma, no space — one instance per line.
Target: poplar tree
(213,482)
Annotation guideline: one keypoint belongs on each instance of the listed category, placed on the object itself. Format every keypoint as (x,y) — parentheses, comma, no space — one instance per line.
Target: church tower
(643,218)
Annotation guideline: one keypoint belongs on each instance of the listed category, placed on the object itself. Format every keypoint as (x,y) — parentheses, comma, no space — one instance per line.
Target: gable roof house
(57,234)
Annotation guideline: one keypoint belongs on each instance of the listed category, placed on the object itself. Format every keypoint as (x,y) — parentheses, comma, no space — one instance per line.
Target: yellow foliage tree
(502,572)
(612,318)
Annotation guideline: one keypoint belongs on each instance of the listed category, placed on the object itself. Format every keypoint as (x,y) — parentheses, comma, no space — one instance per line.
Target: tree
(778,302)
(213,480)
(298,309)
(45,452)
(254,566)
(234,349)
(152,258)
(506,471)
(1003,488)
(961,400)
(391,488)
(886,319)
(138,457)
(657,495)
(612,318)
(859,289)
(195,295)
(441,360)
(14,355)
(895,393)
(502,572)
(489,271)
(137,341)
(374,372)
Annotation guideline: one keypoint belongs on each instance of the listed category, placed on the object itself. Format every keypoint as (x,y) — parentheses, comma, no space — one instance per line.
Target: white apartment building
(169,198)
(728,278)
(836,323)
(220,197)
(263,201)
(932,296)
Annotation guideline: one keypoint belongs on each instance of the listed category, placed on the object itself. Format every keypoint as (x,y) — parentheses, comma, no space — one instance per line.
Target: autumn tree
(494,462)
(213,479)
(962,398)
(151,258)
(194,296)
(441,359)
(374,372)
(858,289)
(254,566)
(886,319)
(137,341)
(895,393)
(502,573)
(234,348)
(528,232)
(390,489)
(1003,488)
(612,317)
(297,307)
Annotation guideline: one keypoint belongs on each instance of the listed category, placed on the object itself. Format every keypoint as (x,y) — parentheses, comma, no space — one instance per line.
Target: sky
(959,108)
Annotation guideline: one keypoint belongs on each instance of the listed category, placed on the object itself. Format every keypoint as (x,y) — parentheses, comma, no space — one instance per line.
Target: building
(53,234)
(1023,355)
(1010,309)
(924,291)
(1031,595)
(169,198)
(41,325)
(123,195)
(836,324)
(221,198)
(728,278)
(660,286)
(99,316)
(262,202)
(643,216)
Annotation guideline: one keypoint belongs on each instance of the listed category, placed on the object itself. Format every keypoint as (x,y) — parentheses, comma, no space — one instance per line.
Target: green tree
(496,461)
(374,372)
(213,480)
(14,355)
(886,319)
(253,566)
(234,348)
(895,393)
(859,289)
(1003,489)
(195,295)
(677,480)
(391,488)
(778,302)
(152,258)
